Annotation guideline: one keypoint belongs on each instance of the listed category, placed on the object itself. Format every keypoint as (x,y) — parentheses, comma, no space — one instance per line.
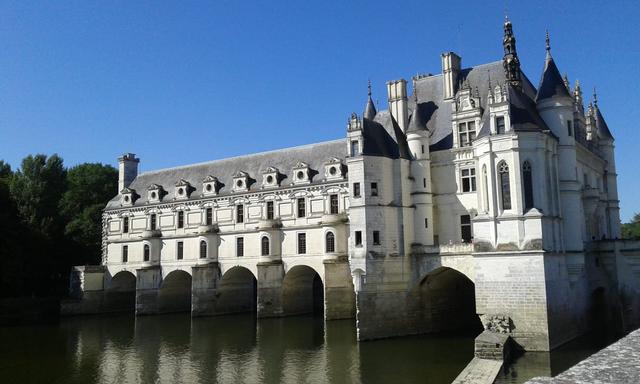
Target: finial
(577,86)
(595,97)
(415,92)
(548,44)
(369,87)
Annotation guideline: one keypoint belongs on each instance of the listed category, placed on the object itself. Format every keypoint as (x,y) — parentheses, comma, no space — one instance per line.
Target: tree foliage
(631,230)
(50,219)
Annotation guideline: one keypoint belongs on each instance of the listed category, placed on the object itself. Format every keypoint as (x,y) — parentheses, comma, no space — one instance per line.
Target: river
(240,349)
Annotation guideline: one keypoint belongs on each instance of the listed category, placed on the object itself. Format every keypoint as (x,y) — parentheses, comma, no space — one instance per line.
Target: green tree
(36,189)
(631,230)
(89,187)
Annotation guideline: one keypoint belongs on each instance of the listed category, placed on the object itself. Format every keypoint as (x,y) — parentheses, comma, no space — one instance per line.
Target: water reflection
(239,349)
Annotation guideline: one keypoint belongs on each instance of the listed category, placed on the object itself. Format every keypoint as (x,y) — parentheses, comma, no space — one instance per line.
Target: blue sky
(183,82)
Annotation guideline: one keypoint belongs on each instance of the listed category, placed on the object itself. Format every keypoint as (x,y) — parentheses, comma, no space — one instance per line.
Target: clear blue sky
(183,82)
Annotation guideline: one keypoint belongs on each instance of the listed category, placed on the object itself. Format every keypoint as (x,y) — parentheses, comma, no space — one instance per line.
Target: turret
(369,109)
(127,170)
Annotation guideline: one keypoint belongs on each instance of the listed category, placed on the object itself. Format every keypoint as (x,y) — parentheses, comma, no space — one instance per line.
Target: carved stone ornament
(497,323)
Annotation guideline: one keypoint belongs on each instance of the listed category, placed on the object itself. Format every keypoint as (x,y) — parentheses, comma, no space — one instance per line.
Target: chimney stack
(450,70)
(397,91)
(127,170)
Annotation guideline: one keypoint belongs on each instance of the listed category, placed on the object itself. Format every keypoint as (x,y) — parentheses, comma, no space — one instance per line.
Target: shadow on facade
(120,296)
(302,292)
(174,294)
(237,292)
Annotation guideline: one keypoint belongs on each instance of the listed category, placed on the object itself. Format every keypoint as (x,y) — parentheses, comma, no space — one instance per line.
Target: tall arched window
(330,242)
(146,252)
(203,249)
(505,188)
(485,188)
(528,185)
(265,246)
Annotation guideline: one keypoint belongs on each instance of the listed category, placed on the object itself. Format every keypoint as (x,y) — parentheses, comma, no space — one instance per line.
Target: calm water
(233,349)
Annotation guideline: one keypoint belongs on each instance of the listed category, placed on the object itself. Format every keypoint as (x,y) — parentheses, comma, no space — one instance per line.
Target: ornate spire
(369,109)
(369,87)
(547,43)
(510,61)
(595,98)
(565,80)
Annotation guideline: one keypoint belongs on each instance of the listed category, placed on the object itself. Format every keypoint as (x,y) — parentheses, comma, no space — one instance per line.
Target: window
(569,128)
(422,148)
(376,237)
(125,225)
(528,185)
(145,252)
(203,249)
(333,204)
(354,148)
(424,183)
(239,246)
(302,243)
(264,242)
(180,219)
(468,179)
(358,238)
(466,133)
(302,208)
(330,242)
(154,222)
(465,228)
(500,125)
(356,189)
(505,188)
(426,222)
(240,213)
(374,189)
(125,253)
(209,216)
(269,210)
(180,254)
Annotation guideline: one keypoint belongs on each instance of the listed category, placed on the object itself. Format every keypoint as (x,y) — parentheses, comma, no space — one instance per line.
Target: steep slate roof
(601,126)
(369,110)
(437,112)
(284,159)
(551,84)
(383,137)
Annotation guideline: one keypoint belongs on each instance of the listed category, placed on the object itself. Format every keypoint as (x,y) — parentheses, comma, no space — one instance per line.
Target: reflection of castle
(484,184)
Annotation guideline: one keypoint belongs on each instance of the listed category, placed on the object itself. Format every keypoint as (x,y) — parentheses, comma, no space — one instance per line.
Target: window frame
(301,240)
(356,190)
(503,125)
(329,242)
(239,246)
(504,182)
(465,131)
(358,238)
(125,224)
(180,250)
(125,254)
(204,249)
(334,202)
(527,185)
(208,216)
(468,182)
(466,229)
(180,219)
(269,210)
(265,247)
(374,189)
(153,224)
(146,252)
(239,213)
(376,237)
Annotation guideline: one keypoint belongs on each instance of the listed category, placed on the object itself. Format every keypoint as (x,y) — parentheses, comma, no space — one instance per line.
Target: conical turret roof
(601,125)
(551,84)
(369,109)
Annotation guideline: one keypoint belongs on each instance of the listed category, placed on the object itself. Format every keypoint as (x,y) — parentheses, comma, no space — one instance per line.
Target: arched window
(505,188)
(528,185)
(330,242)
(265,246)
(146,252)
(485,188)
(203,249)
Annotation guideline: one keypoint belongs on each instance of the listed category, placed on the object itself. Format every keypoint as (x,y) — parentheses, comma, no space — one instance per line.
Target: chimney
(397,91)
(450,70)
(127,170)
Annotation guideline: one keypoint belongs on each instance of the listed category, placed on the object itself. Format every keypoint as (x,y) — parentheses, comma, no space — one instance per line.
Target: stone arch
(174,294)
(302,291)
(443,300)
(237,291)
(120,295)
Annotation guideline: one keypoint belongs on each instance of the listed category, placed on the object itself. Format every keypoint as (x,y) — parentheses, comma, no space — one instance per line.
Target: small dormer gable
(183,189)
(155,193)
(240,181)
(467,100)
(334,169)
(128,196)
(271,177)
(210,186)
(301,173)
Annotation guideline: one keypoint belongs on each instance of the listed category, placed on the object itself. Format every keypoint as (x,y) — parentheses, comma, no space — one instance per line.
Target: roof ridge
(238,157)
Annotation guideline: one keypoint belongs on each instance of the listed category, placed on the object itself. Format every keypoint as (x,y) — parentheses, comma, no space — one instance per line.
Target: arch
(330,242)
(444,300)
(302,291)
(265,246)
(203,249)
(174,294)
(146,252)
(504,185)
(527,185)
(120,295)
(237,292)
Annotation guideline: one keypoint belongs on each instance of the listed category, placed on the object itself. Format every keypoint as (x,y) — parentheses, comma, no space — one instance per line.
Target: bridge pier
(204,285)
(270,278)
(147,289)
(339,295)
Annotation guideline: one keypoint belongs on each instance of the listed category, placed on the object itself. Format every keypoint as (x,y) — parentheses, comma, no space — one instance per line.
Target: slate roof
(551,84)
(383,137)
(370,110)
(601,126)
(316,155)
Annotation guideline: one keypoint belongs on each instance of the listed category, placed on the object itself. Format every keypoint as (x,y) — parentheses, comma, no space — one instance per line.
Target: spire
(577,96)
(601,125)
(547,43)
(417,122)
(595,97)
(551,84)
(510,61)
(369,109)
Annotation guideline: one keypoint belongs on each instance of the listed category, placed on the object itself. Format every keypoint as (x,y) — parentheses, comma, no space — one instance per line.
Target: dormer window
(183,189)
(355,148)
(155,193)
(270,177)
(466,133)
(500,125)
(128,196)
(210,186)
(301,173)
(333,169)
(241,181)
